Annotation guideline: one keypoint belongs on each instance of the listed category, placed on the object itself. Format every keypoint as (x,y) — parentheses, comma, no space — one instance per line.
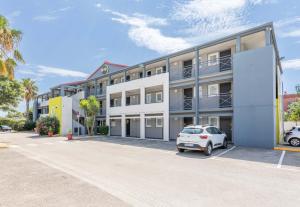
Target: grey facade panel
(134,127)
(254,98)
(176,126)
(153,131)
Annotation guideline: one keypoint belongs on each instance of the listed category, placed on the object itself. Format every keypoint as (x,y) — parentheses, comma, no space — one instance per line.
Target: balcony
(222,100)
(188,104)
(216,65)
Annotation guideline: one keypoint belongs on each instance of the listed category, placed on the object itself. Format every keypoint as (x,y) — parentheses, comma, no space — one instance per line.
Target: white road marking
(14,146)
(222,153)
(63,142)
(281,159)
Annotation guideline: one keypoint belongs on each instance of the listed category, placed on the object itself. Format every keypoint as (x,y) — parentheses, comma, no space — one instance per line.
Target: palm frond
(18,56)
(10,66)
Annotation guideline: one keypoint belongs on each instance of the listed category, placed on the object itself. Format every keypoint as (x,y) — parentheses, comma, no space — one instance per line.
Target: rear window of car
(192,131)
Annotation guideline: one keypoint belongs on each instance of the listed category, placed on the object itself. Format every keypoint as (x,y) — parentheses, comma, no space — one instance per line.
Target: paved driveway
(152,173)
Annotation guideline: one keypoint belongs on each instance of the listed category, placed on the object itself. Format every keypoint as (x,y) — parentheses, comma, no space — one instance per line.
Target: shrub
(29,125)
(103,130)
(44,124)
(15,124)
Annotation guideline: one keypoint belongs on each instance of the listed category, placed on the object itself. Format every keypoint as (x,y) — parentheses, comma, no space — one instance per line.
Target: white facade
(143,109)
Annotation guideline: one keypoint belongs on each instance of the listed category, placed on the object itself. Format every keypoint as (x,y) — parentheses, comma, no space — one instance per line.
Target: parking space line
(222,153)
(281,159)
(48,143)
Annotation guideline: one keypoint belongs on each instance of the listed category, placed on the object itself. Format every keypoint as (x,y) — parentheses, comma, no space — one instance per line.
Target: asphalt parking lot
(152,173)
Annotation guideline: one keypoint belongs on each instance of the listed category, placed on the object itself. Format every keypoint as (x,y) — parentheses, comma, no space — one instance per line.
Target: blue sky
(65,40)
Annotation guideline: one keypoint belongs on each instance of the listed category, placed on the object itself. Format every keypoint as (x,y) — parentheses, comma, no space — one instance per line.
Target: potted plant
(70,135)
(50,132)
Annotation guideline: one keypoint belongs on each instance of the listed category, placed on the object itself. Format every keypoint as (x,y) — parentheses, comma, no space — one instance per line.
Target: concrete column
(124,75)
(144,71)
(142,126)
(197,87)
(123,125)
(123,98)
(95,87)
(238,44)
(142,92)
(166,120)
(168,65)
(268,36)
(62,91)
(34,110)
(85,89)
(109,79)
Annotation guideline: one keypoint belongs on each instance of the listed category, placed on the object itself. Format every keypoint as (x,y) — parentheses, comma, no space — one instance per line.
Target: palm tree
(30,91)
(9,54)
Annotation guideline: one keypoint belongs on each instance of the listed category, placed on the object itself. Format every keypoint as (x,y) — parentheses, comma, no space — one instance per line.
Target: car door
(218,136)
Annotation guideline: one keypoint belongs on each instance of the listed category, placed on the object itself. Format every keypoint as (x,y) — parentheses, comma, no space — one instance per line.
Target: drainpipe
(197,86)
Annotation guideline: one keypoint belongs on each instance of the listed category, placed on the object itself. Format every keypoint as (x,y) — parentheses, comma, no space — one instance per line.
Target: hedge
(103,130)
(15,124)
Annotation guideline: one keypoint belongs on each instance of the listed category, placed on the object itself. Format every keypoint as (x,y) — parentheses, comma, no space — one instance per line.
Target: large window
(213,59)
(159,122)
(159,70)
(148,98)
(213,121)
(158,97)
(213,90)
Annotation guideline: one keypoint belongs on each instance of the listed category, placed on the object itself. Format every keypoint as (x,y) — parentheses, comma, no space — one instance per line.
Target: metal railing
(224,63)
(188,71)
(188,103)
(221,100)
(225,100)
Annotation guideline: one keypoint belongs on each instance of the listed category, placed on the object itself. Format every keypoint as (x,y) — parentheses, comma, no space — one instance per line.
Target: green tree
(11,92)
(9,53)
(30,91)
(294,111)
(90,107)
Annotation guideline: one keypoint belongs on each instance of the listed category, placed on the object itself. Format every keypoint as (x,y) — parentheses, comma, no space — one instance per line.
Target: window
(149,73)
(200,92)
(148,122)
(113,123)
(112,82)
(127,77)
(159,122)
(164,69)
(192,131)
(141,74)
(158,97)
(115,102)
(159,70)
(213,90)
(148,98)
(213,59)
(213,121)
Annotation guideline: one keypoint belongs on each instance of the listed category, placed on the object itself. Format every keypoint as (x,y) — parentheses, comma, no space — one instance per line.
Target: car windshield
(192,131)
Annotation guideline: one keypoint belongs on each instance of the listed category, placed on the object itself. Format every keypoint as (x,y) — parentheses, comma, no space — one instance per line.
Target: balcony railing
(222,100)
(188,71)
(188,104)
(218,65)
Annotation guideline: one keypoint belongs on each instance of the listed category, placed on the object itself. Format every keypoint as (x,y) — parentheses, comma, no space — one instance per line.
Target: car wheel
(208,150)
(295,142)
(180,150)
(225,144)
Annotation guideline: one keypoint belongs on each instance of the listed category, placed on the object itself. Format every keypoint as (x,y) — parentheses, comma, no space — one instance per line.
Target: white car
(293,136)
(203,138)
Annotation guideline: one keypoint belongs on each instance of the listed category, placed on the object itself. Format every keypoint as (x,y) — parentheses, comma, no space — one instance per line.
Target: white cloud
(292,33)
(52,15)
(210,19)
(45,18)
(45,70)
(143,30)
(291,64)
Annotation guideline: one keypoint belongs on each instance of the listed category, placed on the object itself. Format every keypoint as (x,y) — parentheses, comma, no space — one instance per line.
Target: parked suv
(5,128)
(203,138)
(293,136)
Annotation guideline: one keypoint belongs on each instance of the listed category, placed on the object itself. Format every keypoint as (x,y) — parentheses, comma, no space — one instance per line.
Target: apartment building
(233,83)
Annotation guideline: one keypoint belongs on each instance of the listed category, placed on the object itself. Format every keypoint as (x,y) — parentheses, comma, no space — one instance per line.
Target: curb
(287,149)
